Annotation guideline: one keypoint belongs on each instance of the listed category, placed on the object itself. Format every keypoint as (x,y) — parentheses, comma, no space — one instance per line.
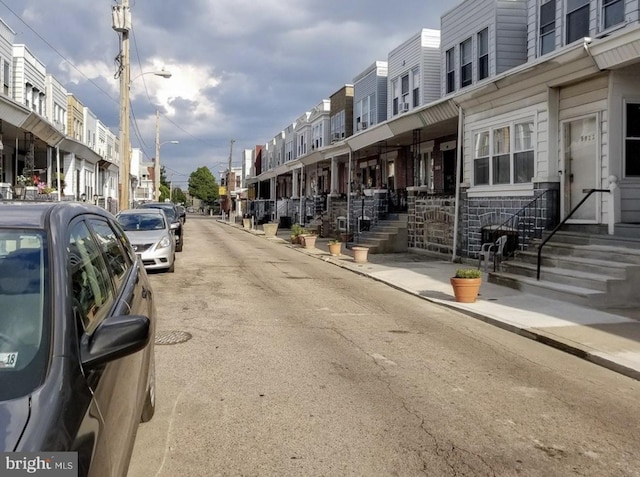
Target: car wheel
(172,268)
(179,245)
(149,407)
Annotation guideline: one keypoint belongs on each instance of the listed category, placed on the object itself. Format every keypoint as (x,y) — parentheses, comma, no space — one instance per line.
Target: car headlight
(165,242)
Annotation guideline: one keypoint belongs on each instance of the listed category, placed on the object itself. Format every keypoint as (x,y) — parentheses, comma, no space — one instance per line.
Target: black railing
(526,224)
(553,232)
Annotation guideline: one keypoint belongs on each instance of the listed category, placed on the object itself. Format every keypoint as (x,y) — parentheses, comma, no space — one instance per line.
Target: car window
(113,251)
(24,313)
(91,285)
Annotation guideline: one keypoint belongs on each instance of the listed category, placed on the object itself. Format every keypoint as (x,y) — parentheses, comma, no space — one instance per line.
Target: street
(296,367)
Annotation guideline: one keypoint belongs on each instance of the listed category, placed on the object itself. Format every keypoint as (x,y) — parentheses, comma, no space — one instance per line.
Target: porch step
(571,277)
(552,290)
(387,236)
(589,265)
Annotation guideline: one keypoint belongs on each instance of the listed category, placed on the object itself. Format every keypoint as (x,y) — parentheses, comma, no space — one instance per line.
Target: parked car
(174,219)
(182,213)
(151,237)
(76,335)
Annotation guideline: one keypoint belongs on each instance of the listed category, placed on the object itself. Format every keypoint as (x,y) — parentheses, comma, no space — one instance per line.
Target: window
(405,89)
(396,96)
(504,155)
(548,27)
(632,141)
(112,246)
(481,158)
(91,287)
(451,71)
(415,79)
(577,20)
(6,78)
(483,54)
(466,68)
(612,13)
(523,152)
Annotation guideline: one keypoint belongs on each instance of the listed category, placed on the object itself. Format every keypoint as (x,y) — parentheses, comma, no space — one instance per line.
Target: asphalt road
(297,367)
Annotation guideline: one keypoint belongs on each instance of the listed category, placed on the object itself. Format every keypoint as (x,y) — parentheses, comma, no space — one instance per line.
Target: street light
(156,162)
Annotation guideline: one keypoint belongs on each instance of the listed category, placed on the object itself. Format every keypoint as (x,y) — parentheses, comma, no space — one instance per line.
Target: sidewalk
(609,339)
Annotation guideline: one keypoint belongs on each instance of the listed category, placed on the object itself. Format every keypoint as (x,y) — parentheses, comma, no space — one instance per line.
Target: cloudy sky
(241,69)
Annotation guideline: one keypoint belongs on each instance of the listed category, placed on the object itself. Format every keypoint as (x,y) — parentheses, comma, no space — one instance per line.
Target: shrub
(468,273)
(334,242)
(297,229)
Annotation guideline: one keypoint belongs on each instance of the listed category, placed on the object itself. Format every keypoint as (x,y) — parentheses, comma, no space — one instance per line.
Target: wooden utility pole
(121,16)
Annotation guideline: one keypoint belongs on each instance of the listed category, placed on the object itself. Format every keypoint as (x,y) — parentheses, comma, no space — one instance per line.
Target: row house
(513,105)
(47,133)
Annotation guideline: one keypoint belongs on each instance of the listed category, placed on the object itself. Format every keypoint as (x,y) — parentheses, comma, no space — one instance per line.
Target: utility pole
(229,203)
(121,17)
(156,161)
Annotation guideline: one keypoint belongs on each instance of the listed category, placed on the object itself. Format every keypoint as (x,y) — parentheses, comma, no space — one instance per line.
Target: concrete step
(597,252)
(577,238)
(574,278)
(584,264)
(552,290)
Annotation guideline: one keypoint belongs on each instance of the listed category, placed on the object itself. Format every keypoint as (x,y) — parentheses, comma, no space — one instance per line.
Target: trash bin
(285,222)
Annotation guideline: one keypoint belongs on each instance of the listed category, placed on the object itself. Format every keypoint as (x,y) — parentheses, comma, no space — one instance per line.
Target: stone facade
(431,222)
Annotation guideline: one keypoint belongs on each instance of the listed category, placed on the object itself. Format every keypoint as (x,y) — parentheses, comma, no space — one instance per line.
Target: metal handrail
(527,224)
(553,232)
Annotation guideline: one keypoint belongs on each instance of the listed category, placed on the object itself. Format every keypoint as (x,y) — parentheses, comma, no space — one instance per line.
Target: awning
(80,150)
(617,50)
(42,129)
(312,158)
(368,137)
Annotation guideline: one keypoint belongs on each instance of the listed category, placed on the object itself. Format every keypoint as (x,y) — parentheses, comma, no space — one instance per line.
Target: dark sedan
(77,321)
(174,218)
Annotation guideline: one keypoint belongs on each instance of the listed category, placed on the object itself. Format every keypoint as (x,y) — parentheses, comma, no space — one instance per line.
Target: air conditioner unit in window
(404,107)
(336,136)
(363,125)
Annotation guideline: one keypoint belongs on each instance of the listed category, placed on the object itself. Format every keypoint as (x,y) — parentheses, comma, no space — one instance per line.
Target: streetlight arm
(163,73)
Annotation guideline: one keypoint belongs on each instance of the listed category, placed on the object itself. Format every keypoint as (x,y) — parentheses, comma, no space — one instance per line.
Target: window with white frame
(466,67)
(504,154)
(338,126)
(612,13)
(6,78)
(362,113)
(483,54)
(318,133)
(404,100)
(632,141)
(372,110)
(547,27)
(577,20)
(288,150)
(451,70)
(415,80)
(395,85)
(425,170)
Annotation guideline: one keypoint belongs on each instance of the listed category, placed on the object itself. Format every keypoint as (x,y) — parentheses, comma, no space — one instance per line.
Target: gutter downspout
(57,146)
(459,167)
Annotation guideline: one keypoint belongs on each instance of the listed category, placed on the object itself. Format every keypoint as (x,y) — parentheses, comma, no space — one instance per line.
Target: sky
(241,70)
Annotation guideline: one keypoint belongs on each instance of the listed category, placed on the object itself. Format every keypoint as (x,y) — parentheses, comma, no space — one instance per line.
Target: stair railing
(553,232)
(527,223)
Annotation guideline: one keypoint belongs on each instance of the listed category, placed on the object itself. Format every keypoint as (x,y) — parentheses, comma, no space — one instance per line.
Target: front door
(580,149)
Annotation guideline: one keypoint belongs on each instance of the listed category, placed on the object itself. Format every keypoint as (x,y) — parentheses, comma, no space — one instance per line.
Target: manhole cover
(172,337)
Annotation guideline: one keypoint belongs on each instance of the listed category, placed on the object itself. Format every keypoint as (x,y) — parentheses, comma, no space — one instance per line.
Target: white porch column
(295,183)
(334,176)
(614,204)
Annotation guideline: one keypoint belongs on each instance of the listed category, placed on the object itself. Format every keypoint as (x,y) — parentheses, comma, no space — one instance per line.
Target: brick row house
(514,109)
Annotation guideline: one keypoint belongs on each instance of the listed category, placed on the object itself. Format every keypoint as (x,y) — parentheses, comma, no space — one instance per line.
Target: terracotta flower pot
(360,254)
(335,248)
(309,241)
(466,289)
(270,229)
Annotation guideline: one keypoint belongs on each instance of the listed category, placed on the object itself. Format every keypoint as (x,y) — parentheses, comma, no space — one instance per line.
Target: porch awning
(617,50)
(42,129)
(312,158)
(80,150)
(379,132)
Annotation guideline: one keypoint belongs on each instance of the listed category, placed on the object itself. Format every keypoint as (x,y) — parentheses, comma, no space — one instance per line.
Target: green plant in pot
(466,284)
(296,231)
(335,247)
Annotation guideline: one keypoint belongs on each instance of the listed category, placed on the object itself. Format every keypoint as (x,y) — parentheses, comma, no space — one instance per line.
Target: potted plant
(466,284)
(296,231)
(309,240)
(335,247)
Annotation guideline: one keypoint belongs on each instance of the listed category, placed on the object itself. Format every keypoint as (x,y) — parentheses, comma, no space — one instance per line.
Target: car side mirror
(114,338)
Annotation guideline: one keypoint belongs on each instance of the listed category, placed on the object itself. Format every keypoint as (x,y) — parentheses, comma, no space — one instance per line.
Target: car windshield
(168,209)
(140,222)
(24,326)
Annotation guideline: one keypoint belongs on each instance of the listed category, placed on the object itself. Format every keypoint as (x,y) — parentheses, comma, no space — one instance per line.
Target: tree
(203,185)
(164,191)
(178,197)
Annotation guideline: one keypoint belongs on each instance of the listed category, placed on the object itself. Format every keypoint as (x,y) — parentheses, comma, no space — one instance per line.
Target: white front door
(580,149)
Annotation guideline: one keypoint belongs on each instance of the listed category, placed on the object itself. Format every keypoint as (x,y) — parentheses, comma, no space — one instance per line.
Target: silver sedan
(151,237)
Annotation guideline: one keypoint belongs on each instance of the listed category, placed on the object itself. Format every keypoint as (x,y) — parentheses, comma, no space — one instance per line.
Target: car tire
(179,245)
(149,407)
(172,267)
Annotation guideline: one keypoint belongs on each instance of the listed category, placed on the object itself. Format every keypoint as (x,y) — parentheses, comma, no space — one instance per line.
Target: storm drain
(172,337)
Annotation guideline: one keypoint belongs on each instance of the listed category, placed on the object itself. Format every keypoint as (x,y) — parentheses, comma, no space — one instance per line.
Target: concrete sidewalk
(608,338)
